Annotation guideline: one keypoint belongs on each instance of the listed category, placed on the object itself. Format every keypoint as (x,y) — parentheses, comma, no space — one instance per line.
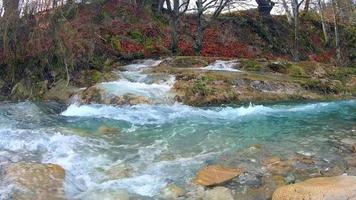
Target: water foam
(221,65)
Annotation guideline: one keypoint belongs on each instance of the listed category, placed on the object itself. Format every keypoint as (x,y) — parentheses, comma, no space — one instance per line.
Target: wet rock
(35,181)
(269,185)
(332,171)
(353,148)
(92,95)
(173,191)
(218,193)
(277,166)
(216,174)
(351,160)
(129,100)
(331,188)
(119,172)
(60,91)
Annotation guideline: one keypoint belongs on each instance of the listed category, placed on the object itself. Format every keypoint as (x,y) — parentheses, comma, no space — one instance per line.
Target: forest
(47,40)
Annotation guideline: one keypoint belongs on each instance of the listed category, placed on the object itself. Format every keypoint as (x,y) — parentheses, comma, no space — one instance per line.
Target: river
(141,148)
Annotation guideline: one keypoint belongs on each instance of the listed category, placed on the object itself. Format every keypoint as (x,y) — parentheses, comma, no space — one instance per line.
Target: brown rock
(353,148)
(37,181)
(216,174)
(331,188)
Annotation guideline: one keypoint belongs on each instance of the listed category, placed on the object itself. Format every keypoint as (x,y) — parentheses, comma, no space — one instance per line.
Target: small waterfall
(221,65)
(135,86)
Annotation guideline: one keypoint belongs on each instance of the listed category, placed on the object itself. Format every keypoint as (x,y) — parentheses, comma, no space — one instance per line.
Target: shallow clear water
(160,144)
(150,146)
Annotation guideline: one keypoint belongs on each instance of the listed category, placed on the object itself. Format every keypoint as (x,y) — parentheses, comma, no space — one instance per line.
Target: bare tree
(296,7)
(175,13)
(11,8)
(336,29)
(288,12)
(323,23)
(265,7)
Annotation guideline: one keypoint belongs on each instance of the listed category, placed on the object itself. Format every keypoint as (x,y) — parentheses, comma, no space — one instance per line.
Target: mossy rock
(60,91)
(252,65)
(188,62)
(296,71)
(27,90)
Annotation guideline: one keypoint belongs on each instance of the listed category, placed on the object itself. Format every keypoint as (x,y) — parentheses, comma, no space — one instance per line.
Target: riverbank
(202,81)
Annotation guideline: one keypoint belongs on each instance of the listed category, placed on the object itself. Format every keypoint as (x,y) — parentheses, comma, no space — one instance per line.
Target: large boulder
(34,181)
(216,174)
(61,91)
(325,188)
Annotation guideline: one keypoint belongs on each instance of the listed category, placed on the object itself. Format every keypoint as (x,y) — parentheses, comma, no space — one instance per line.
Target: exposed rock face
(332,188)
(216,174)
(218,193)
(33,181)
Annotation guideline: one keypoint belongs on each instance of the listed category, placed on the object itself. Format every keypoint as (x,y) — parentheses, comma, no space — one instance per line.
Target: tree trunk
(288,13)
(265,7)
(174,21)
(200,29)
(296,30)
(306,5)
(336,28)
(174,26)
(11,8)
(323,23)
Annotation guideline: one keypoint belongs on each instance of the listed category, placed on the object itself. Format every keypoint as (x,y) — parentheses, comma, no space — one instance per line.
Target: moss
(296,71)
(252,65)
(343,74)
(201,86)
(137,36)
(116,43)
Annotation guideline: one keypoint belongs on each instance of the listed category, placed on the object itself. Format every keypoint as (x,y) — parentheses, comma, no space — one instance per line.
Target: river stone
(173,191)
(325,188)
(216,174)
(34,181)
(218,193)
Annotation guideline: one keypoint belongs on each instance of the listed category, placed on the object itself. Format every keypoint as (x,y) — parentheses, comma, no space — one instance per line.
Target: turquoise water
(142,148)
(160,144)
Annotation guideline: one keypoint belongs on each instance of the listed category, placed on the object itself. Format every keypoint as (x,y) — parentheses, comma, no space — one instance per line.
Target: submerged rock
(34,181)
(106,130)
(277,166)
(331,188)
(216,174)
(218,193)
(173,191)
